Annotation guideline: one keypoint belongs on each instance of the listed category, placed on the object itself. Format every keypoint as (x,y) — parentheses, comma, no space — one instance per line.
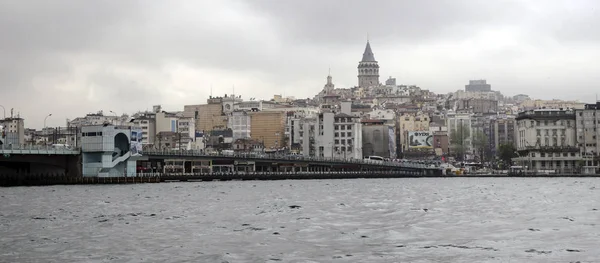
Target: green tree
(458,136)
(481,145)
(506,152)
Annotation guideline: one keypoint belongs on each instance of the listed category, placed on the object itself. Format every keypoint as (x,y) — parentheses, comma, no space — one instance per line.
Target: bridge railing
(36,149)
(262,156)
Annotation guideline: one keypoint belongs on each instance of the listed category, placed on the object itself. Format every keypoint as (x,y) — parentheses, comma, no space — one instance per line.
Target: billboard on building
(420,140)
(136,142)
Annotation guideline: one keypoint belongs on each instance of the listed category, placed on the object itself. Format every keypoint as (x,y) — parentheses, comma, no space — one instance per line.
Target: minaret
(368,69)
(328,88)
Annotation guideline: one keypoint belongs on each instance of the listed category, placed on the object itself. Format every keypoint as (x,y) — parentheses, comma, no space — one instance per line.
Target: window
(337,141)
(538,132)
(343,134)
(336,134)
(348,127)
(349,134)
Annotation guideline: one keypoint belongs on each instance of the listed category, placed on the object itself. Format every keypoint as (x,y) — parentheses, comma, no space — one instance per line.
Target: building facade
(109,151)
(588,136)
(547,140)
(12,131)
(268,127)
(502,130)
(240,123)
(378,139)
(478,86)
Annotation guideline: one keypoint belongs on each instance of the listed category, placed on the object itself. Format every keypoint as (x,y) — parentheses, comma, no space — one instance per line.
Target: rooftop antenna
(367,36)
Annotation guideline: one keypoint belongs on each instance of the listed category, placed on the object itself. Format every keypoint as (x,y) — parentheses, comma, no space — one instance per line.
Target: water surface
(386,220)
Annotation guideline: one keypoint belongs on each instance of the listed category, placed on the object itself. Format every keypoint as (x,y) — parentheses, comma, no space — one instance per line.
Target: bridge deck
(275,158)
(43,150)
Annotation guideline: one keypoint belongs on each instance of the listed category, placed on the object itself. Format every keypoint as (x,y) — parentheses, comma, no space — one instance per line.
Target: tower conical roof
(368,54)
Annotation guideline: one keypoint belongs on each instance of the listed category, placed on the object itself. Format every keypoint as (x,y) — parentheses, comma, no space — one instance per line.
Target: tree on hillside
(506,152)
(481,145)
(458,136)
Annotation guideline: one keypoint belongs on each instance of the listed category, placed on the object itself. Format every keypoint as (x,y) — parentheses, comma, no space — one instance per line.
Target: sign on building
(136,141)
(420,140)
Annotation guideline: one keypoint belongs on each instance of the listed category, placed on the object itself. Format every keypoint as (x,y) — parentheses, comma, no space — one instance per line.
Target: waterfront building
(411,122)
(460,122)
(501,130)
(73,136)
(240,122)
(588,136)
(109,151)
(550,104)
(378,138)
(211,115)
(268,127)
(547,140)
(12,131)
(159,122)
(254,105)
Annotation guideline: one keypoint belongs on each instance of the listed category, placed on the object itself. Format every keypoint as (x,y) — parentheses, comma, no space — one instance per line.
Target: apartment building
(588,136)
(12,131)
(547,139)
(268,127)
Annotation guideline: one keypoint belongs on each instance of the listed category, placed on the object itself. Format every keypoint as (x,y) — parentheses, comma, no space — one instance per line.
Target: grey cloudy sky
(72,57)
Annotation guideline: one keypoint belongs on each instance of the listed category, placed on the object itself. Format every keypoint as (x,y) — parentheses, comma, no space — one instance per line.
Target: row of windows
(86,134)
(545,123)
(553,155)
(343,141)
(342,127)
(343,134)
(547,132)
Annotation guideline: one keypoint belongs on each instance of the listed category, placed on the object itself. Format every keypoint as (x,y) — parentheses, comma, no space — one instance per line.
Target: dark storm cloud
(71,57)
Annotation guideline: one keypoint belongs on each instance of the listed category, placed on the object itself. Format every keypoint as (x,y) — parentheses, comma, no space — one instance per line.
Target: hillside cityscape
(377,117)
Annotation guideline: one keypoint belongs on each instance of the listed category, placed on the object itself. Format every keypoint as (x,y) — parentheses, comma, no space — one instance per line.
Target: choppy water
(388,220)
